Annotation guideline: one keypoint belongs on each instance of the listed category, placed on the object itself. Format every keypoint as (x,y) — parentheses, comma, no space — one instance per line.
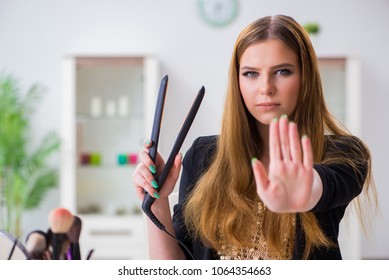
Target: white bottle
(123,106)
(95,107)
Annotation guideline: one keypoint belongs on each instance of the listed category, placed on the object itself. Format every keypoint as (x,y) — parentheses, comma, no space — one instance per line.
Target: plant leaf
(37,160)
(43,183)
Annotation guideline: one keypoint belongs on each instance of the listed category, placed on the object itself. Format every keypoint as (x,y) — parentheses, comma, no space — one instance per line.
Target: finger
(140,193)
(174,171)
(144,180)
(260,176)
(294,140)
(307,152)
(147,161)
(147,143)
(274,138)
(284,138)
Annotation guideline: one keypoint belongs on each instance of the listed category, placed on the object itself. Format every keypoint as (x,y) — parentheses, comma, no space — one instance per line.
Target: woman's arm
(161,245)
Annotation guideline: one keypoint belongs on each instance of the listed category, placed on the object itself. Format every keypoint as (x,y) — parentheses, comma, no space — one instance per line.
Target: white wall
(35,35)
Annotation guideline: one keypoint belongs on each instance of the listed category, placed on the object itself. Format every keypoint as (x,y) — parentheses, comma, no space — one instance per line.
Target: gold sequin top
(261,250)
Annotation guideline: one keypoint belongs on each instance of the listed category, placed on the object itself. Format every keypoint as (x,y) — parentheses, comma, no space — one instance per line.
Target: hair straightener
(148,199)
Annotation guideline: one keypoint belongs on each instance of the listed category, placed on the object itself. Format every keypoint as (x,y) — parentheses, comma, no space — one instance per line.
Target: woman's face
(269,80)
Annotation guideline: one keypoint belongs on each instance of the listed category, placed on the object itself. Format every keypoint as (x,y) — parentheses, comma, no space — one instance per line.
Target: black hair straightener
(149,200)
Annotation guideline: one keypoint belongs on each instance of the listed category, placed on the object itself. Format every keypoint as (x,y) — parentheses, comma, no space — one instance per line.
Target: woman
(286,204)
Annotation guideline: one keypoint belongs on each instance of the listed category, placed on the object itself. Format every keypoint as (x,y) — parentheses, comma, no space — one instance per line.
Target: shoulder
(203,148)
(205,142)
(199,156)
(350,146)
(349,153)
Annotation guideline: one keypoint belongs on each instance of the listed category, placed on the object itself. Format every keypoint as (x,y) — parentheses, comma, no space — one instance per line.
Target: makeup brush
(13,248)
(74,236)
(36,244)
(90,253)
(60,221)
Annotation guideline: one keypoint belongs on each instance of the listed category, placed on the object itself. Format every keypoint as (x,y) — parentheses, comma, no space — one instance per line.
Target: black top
(340,185)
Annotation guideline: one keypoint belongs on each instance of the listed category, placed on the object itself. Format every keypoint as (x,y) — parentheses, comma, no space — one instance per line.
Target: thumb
(260,175)
(177,166)
(175,170)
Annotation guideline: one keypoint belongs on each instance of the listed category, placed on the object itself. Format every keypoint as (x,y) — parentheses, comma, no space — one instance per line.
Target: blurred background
(100,63)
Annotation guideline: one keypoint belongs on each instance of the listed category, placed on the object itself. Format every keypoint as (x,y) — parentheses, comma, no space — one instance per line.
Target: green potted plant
(312,28)
(25,175)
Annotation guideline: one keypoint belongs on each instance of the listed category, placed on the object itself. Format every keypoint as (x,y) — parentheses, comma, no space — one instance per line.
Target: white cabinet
(107,111)
(120,237)
(342,89)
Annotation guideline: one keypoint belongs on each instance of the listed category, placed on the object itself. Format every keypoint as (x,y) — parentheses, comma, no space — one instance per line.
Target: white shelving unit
(107,110)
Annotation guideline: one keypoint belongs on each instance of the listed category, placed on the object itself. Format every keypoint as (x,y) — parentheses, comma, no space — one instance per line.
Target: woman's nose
(266,85)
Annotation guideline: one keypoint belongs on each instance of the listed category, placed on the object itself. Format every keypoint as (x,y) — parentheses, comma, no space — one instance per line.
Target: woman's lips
(267,106)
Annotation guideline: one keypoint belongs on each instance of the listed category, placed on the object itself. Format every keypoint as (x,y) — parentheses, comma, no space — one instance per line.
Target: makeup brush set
(59,242)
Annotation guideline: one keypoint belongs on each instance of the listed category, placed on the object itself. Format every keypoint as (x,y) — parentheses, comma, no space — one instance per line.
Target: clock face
(218,12)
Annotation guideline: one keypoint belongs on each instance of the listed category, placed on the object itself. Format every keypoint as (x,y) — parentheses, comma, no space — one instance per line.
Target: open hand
(288,185)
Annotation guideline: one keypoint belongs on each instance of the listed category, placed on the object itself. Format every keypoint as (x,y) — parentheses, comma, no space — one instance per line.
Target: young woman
(258,190)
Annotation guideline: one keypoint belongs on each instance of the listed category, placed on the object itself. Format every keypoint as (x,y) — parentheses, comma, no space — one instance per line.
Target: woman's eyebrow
(281,65)
(248,68)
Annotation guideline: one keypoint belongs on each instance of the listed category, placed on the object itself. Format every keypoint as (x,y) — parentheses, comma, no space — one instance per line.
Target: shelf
(131,117)
(99,168)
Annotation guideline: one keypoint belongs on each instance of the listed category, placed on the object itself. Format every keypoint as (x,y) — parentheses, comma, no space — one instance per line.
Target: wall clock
(218,12)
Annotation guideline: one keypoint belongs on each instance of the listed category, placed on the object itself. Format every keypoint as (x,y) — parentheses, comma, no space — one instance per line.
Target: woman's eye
(250,74)
(283,72)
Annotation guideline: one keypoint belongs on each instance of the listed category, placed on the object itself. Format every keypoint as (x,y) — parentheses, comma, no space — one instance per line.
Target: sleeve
(342,182)
(196,161)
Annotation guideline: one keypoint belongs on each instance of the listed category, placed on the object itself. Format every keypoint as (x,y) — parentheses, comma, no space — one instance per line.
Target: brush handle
(90,253)
(12,249)
(58,241)
(75,251)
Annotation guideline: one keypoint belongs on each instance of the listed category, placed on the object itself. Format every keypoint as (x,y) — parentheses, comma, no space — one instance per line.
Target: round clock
(218,12)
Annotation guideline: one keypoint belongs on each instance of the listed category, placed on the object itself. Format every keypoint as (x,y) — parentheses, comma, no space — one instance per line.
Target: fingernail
(284,116)
(304,136)
(152,169)
(253,160)
(147,141)
(154,184)
(156,195)
(275,120)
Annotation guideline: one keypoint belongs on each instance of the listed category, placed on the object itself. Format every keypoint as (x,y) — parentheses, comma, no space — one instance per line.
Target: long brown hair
(230,175)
